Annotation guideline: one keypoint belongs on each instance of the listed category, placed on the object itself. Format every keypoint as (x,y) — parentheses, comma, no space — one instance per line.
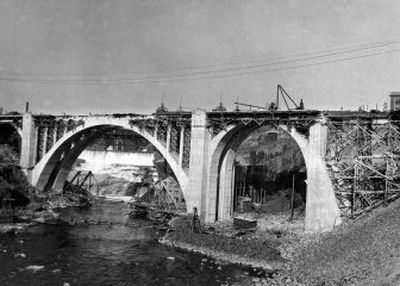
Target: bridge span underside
(50,163)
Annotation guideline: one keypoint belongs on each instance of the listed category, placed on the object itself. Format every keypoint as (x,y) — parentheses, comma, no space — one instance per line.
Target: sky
(106,56)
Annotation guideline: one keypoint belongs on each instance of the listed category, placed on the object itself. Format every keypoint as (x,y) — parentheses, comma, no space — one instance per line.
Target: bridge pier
(197,194)
(28,145)
(181,145)
(322,212)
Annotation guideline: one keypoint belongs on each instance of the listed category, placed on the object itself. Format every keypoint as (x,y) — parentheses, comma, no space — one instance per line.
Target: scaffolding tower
(363,156)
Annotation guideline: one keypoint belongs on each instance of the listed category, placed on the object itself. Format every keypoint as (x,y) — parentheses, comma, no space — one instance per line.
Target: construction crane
(249,105)
(280,92)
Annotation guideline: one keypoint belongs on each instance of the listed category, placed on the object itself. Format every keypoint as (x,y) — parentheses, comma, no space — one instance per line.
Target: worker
(196,227)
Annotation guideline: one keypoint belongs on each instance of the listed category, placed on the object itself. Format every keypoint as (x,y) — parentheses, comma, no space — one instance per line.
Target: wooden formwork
(363,156)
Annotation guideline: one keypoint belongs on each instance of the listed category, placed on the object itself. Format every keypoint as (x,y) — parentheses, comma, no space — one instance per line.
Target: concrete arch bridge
(351,158)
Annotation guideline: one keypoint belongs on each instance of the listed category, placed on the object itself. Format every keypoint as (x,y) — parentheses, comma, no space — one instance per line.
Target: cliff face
(8,155)
(13,182)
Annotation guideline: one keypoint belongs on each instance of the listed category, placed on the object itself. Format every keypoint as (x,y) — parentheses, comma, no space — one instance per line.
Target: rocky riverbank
(364,251)
(22,205)
(265,273)
(34,213)
(266,252)
(259,266)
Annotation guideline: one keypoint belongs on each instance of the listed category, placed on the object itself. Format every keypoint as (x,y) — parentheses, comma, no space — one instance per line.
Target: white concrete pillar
(156,131)
(322,211)
(45,133)
(64,131)
(54,135)
(226,184)
(168,138)
(28,145)
(181,144)
(199,161)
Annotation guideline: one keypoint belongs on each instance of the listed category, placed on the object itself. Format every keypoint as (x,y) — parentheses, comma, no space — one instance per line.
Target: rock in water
(40,220)
(34,268)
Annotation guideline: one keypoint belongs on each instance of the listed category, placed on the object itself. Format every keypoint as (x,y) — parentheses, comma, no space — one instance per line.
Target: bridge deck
(226,114)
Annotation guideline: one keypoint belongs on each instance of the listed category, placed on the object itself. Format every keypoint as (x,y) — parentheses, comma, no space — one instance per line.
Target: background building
(394,100)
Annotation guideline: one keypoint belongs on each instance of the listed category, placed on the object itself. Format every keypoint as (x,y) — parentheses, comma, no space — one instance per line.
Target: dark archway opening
(269,175)
(9,136)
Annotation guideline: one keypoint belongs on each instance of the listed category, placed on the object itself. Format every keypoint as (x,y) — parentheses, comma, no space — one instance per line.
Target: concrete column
(320,131)
(226,183)
(54,135)
(181,144)
(45,133)
(28,145)
(322,212)
(168,138)
(64,131)
(156,131)
(199,161)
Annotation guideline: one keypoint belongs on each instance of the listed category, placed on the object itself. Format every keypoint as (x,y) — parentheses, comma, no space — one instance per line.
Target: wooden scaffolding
(363,156)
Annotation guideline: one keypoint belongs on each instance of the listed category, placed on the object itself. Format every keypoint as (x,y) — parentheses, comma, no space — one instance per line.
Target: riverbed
(102,246)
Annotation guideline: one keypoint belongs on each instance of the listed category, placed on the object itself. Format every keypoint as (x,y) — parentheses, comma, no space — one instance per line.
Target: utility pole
(277,96)
(292,198)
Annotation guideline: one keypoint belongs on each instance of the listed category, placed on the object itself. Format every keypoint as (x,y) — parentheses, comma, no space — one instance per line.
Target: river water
(102,246)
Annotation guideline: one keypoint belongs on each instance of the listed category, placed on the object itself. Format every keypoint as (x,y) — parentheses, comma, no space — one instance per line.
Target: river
(102,246)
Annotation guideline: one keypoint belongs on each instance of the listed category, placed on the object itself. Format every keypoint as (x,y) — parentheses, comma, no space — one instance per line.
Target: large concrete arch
(322,212)
(52,170)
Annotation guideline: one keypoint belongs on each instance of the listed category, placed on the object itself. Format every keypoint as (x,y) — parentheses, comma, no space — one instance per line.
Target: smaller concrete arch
(224,147)
(224,152)
(51,171)
(322,212)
